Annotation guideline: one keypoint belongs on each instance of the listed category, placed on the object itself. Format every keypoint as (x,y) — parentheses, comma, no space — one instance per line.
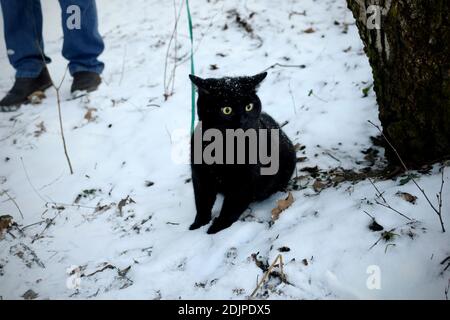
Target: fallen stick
(266,275)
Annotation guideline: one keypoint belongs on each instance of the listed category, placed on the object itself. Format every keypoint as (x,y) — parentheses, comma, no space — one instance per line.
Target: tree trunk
(408,45)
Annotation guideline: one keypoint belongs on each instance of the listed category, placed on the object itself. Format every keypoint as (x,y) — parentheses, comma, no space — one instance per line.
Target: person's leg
(23,35)
(25,48)
(82,45)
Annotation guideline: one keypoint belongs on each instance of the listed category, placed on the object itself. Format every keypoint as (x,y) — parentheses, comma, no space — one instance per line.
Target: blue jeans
(25,46)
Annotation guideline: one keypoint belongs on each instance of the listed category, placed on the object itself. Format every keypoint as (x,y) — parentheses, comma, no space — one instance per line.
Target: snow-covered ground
(123,141)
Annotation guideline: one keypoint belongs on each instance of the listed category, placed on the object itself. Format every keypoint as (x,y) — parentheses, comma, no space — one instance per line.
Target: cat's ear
(257,79)
(201,84)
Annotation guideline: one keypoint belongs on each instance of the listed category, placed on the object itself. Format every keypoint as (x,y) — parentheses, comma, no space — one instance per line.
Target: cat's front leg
(234,205)
(205,196)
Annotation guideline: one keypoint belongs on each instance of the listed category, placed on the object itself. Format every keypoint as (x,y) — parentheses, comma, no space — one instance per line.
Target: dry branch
(279,259)
(385,203)
(437,211)
(13,201)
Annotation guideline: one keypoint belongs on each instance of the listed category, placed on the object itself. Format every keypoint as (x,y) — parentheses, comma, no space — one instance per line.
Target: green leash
(192,66)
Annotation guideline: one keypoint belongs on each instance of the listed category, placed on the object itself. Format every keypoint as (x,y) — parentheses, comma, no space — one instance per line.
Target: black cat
(232,103)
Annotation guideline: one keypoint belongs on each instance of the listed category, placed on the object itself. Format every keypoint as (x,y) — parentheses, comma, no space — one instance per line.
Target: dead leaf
(375,226)
(298,147)
(102,208)
(149,183)
(282,205)
(30,295)
(309,30)
(124,272)
(6,222)
(40,129)
(311,170)
(27,255)
(338,179)
(89,114)
(407,197)
(318,186)
(36,97)
(124,202)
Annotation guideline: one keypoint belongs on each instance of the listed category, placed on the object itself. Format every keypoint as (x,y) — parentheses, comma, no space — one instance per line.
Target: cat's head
(229,102)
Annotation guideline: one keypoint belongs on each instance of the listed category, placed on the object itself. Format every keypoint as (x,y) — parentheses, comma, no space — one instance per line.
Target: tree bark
(408,45)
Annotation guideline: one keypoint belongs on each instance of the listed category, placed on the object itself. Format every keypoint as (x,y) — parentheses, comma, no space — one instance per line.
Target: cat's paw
(198,224)
(217,226)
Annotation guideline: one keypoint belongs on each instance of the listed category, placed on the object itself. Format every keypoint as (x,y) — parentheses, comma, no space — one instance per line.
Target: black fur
(240,184)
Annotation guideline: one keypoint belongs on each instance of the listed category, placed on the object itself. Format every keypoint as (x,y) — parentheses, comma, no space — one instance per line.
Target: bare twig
(281,267)
(49,223)
(59,204)
(447,289)
(58,100)
(371,216)
(107,266)
(300,66)
(46,202)
(437,211)
(385,203)
(269,270)
(439,195)
(31,184)
(169,82)
(380,238)
(33,224)
(123,65)
(186,57)
(292,97)
(13,201)
(328,153)
(446,260)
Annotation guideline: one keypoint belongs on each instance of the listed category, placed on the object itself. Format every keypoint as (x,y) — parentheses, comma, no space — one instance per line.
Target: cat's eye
(249,107)
(227,110)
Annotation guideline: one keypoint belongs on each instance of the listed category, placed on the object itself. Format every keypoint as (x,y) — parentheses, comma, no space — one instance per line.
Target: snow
(130,141)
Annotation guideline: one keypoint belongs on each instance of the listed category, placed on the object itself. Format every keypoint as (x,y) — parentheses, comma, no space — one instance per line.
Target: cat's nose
(243,121)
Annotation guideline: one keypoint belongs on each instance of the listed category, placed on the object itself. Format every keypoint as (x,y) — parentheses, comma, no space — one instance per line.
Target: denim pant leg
(23,35)
(82,41)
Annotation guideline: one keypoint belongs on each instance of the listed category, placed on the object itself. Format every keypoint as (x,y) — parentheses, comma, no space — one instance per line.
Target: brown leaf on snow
(89,114)
(40,129)
(407,197)
(36,97)
(30,295)
(5,223)
(102,208)
(298,147)
(347,50)
(124,202)
(309,30)
(318,186)
(282,205)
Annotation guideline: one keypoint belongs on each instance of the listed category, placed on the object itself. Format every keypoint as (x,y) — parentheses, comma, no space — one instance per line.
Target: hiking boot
(85,81)
(22,89)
